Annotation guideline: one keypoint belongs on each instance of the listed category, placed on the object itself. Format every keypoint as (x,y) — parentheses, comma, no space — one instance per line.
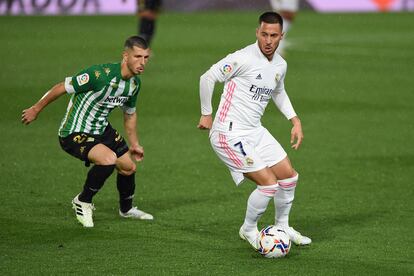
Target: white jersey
(251,80)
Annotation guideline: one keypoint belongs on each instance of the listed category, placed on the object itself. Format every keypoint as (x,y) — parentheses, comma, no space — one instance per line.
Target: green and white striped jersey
(95,92)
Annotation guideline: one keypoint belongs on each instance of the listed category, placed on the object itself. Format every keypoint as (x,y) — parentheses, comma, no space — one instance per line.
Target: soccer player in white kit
(253,76)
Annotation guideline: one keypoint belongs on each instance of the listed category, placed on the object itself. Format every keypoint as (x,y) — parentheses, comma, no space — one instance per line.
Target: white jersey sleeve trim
(68,85)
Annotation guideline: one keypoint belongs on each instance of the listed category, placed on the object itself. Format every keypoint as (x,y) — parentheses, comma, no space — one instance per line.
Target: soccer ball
(273,242)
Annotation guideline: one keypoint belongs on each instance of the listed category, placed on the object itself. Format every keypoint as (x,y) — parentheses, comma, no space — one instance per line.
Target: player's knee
(131,170)
(269,179)
(286,173)
(293,174)
(290,182)
(263,177)
(288,15)
(128,169)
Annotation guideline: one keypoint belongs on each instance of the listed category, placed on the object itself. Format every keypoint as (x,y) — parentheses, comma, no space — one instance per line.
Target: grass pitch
(350,78)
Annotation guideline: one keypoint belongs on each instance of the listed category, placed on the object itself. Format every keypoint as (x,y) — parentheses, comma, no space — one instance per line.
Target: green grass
(350,78)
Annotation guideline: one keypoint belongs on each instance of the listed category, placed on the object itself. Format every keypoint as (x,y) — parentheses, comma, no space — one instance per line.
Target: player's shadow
(190,201)
(195,214)
(327,227)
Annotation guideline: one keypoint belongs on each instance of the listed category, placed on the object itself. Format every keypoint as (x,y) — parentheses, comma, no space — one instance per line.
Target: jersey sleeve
(90,79)
(280,78)
(225,69)
(281,98)
(129,107)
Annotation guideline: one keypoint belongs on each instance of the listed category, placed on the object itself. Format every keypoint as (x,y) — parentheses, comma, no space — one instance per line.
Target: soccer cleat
(83,211)
(135,213)
(251,237)
(296,237)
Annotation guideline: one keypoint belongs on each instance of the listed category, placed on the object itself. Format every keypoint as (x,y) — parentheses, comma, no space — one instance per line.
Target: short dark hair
(135,41)
(271,18)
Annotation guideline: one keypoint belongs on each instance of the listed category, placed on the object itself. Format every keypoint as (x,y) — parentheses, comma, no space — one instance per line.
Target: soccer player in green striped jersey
(86,134)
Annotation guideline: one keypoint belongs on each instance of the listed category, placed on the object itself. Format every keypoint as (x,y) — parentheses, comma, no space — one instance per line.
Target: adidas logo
(259,77)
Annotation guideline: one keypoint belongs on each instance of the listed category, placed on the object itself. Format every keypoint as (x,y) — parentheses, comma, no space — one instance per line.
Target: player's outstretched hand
(206,121)
(296,135)
(137,152)
(29,115)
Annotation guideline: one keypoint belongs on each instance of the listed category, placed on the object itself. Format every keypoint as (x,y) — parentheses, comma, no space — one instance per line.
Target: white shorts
(246,151)
(285,5)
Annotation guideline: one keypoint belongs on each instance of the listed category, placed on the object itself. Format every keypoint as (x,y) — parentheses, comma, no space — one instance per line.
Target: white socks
(257,204)
(283,194)
(283,200)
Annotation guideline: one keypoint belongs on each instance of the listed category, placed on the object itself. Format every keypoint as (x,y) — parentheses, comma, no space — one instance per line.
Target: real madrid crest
(277,77)
(249,161)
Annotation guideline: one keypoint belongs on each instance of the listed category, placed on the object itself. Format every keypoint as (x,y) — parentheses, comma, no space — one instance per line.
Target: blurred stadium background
(350,78)
(17,7)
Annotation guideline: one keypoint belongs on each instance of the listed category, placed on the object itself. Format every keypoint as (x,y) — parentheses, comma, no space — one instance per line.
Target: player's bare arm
(30,114)
(135,149)
(206,121)
(296,135)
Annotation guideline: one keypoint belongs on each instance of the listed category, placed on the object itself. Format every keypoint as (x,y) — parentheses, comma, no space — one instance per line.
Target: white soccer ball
(273,242)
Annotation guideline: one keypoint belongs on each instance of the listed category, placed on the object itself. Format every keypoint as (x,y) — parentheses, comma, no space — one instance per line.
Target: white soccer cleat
(135,213)
(296,237)
(251,237)
(83,211)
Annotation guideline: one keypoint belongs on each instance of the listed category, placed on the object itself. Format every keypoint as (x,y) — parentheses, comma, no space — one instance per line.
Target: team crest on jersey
(114,85)
(249,161)
(277,77)
(227,68)
(83,79)
(97,74)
